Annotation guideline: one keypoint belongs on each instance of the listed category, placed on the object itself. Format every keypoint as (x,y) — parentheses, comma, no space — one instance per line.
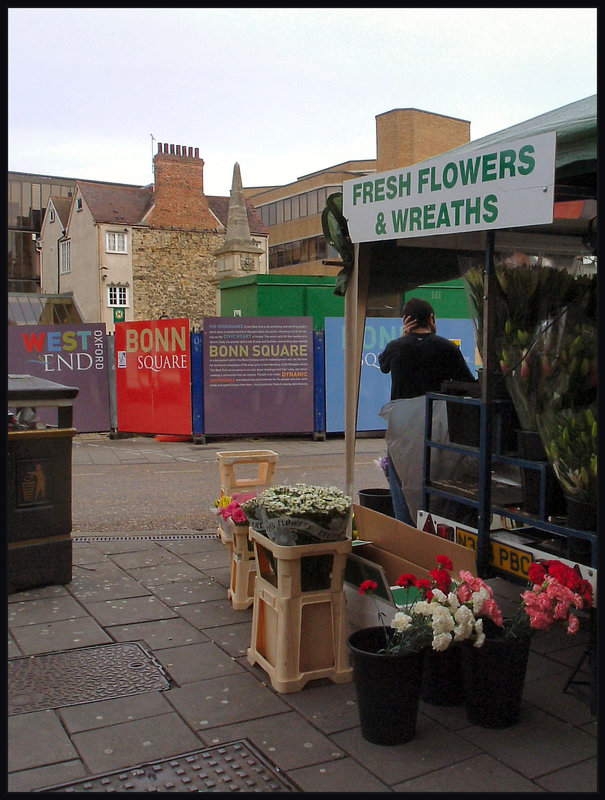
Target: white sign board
(501,186)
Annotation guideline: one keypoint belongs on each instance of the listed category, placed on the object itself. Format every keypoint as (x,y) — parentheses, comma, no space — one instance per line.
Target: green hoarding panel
(449,299)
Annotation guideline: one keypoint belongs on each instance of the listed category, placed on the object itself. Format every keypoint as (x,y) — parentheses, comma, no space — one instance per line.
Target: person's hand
(408,325)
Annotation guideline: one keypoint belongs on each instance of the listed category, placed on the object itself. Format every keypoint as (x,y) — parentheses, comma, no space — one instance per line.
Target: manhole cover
(52,680)
(232,767)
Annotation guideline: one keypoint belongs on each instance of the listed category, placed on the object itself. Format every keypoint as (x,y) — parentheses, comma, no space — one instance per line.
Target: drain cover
(232,767)
(52,680)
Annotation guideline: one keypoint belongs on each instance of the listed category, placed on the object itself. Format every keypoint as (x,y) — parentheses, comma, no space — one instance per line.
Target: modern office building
(292,212)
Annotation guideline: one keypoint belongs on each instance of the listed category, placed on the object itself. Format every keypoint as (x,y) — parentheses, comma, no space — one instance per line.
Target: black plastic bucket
(378,500)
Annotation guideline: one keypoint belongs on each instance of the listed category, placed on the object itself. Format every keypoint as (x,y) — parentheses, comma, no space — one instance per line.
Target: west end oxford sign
(499,186)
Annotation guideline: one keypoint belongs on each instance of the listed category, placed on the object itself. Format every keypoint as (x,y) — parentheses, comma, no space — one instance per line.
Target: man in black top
(419,362)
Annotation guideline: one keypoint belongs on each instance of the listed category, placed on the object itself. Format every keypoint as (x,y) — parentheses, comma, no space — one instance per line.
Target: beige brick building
(138,253)
(292,212)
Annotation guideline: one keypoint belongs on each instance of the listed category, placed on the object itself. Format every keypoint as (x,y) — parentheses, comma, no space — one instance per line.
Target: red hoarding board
(153,376)
(258,375)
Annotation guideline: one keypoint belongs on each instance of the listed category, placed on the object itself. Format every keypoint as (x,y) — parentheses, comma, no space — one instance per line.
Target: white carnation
(401,621)
(441,641)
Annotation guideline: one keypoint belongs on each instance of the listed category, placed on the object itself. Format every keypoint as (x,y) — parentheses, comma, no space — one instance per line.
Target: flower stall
(524,197)
(527,191)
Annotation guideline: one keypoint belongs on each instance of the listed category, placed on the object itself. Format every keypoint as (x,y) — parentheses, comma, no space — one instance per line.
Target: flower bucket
(531,449)
(387,688)
(442,682)
(494,676)
(378,500)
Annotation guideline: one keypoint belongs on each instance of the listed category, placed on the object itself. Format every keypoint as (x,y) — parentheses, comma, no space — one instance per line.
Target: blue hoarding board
(375,386)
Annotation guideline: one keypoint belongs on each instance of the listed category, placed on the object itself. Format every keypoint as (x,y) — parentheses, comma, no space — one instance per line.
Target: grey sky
(281,91)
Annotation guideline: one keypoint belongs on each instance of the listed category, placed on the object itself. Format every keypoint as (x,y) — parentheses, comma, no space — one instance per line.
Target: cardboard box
(384,550)
(400,548)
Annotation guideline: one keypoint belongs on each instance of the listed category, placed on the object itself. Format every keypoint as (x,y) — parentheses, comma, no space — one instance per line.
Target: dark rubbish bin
(38,484)
(378,500)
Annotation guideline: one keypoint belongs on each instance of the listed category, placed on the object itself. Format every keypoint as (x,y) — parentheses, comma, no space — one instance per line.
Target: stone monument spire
(239,256)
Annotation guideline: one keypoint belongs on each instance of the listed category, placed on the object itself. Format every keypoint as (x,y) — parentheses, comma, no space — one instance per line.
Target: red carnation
(442,579)
(368,586)
(536,573)
(445,562)
(406,580)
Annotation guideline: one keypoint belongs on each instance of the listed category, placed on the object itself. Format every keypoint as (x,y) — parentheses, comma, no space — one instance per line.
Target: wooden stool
(257,466)
(299,630)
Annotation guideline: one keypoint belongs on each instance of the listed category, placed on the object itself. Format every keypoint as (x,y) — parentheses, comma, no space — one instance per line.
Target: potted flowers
(295,516)
(494,677)
(300,514)
(390,662)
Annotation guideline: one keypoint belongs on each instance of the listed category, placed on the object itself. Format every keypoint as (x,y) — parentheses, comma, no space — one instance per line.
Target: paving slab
(32,779)
(189,592)
(123,611)
(210,559)
(223,701)
(37,739)
(162,574)
(328,706)
(48,609)
(570,778)
(287,739)
(214,613)
(130,743)
(432,748)
(104,582)
(47,637)
(344,775)
(536,745)
(234,639)
(195,662)
(158,634)
(144,558)
(102,713)
(479,774)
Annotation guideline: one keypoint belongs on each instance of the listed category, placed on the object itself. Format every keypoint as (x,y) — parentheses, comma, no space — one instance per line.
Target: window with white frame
(51,215)
(117,296)
(115,242)
(65,257)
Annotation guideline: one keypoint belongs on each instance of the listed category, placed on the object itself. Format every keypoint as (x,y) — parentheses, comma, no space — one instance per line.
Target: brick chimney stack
(180,201)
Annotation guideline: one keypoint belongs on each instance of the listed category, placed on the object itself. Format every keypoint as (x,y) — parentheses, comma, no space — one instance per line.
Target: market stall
(530,189)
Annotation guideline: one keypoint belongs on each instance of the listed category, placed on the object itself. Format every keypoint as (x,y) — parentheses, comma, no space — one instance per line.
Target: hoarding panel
(258,375)
(375,386)
(72,355)
(153,376)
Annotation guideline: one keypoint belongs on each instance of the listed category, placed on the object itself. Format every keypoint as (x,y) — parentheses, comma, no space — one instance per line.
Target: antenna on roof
(152,164)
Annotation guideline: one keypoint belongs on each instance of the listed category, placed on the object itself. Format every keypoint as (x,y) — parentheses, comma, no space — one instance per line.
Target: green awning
(576,127)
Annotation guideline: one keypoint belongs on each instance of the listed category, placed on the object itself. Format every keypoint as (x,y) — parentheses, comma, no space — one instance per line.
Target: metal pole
(485,418)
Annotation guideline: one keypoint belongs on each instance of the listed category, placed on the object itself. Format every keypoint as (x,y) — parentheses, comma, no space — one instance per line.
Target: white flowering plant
(300,514)
(440,611)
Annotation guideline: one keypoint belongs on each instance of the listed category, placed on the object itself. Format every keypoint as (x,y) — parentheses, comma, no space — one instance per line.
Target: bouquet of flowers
(556,592)
(443,610)
(229,510)
(300,514)
(440,610)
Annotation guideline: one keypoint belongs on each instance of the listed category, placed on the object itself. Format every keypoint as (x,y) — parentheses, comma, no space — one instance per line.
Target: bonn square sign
(503,185)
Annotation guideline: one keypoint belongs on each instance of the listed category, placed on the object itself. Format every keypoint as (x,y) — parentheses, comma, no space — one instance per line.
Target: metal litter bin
(38,487)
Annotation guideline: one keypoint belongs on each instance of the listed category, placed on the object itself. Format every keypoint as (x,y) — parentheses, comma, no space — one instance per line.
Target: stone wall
(173,273)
